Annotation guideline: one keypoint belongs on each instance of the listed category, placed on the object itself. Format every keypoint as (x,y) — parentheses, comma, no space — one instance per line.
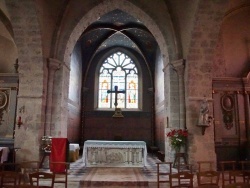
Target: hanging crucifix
(118,112)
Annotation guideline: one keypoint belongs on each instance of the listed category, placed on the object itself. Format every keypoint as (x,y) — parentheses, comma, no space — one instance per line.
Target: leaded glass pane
(132,91)
(104,85)
(118,70)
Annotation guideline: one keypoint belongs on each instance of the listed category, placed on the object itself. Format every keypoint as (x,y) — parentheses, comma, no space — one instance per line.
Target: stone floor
(146,177)
(78,173)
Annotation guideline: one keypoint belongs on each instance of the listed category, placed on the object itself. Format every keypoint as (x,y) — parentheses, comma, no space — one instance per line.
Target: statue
(204,118)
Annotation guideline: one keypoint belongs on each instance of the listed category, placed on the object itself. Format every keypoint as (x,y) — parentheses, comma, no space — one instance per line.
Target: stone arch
(164,35)
(65,47)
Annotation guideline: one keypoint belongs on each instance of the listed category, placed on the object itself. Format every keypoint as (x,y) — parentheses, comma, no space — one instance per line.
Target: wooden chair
(226,167)
(205,165)
(10,167)
(238,176)
(208,179)
(185,168)
(28,167)
(27,186)
(9,179)
(42,179)
(181,179)
(245,166)
(238,185)
(164,169)
(62,176)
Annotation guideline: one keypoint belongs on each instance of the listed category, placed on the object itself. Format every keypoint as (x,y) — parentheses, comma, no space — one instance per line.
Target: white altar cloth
(114,153)
(5,154)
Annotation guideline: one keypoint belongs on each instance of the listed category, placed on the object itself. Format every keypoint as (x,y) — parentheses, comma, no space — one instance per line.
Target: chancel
(67,68)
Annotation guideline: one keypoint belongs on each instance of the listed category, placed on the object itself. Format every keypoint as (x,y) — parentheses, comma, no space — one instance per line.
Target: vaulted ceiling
(118,29)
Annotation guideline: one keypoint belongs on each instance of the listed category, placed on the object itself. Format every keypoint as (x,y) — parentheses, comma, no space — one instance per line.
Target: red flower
(177,137)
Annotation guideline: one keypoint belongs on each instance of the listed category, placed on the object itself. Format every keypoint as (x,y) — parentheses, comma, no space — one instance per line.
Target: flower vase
(177,150)
(180,150)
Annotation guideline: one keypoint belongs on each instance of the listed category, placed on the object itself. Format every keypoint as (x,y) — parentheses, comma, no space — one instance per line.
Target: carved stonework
(227,105)
(122,157)
(4,101)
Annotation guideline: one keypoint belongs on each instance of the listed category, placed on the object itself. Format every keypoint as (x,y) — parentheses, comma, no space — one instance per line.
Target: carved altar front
(114,153)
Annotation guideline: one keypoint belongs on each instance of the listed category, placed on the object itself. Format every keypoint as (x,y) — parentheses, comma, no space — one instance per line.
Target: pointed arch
(65,47)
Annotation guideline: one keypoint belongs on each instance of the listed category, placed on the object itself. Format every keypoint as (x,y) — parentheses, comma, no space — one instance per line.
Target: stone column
(53,66)
(59,113)
(179,67)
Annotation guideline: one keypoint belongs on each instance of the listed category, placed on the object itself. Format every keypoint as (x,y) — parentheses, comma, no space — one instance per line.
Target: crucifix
(118,112)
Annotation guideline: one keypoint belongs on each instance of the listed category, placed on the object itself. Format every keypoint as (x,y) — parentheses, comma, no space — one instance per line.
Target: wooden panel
(230,120)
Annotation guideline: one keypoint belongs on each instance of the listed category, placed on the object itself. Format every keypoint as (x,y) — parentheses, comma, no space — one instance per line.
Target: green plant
(177,138)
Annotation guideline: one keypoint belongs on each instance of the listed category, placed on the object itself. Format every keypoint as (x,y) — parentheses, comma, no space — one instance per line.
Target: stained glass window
(118,70)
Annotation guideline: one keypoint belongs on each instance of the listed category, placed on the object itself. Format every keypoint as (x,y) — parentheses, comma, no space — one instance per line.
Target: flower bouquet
(177,138)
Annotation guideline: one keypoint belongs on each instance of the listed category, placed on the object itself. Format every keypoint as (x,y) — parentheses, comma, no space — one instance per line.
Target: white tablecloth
(114,144)
(74,147)
(5,154)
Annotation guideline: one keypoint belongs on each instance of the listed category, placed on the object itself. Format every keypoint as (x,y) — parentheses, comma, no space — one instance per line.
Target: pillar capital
(179,66)
(54,64)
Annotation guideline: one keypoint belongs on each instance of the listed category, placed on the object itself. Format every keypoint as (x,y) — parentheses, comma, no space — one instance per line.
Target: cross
(116,92)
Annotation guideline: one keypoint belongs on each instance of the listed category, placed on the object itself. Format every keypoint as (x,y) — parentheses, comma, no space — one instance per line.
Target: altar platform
(98,153)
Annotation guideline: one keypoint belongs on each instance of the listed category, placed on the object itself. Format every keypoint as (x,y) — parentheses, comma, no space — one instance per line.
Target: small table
(74,151)
(177,160)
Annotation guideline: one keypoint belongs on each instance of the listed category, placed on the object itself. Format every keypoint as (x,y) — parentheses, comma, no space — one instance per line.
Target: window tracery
(118,70)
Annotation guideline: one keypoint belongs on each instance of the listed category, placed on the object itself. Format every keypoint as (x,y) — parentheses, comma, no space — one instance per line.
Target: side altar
(97,153)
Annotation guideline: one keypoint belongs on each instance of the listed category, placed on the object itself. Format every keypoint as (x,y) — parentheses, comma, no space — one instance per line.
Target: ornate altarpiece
(232,118)
(8,101)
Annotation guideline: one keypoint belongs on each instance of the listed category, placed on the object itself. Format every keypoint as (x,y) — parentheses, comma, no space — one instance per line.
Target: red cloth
(59,152)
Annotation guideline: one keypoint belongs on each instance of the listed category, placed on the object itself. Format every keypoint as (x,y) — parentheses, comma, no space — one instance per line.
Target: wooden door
(230,115)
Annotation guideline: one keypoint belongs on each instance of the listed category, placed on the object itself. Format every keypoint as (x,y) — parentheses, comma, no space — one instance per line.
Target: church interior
(126,71)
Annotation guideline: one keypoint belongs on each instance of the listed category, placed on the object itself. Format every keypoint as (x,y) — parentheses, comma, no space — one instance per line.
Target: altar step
(108,184)
(114,177)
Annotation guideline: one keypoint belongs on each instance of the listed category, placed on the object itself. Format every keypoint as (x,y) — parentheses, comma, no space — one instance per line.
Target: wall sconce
(205,120)
(19,119)
(19,122)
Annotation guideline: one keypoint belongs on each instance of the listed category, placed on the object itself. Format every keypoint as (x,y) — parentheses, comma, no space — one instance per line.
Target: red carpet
(114,177)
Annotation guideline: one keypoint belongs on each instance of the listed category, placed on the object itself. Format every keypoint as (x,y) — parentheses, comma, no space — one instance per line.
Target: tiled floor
(78,172)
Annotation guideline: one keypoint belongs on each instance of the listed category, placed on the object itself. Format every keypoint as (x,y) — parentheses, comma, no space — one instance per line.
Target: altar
(97,153)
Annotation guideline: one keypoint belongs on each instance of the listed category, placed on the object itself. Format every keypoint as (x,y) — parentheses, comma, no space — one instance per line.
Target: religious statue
(204,118)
